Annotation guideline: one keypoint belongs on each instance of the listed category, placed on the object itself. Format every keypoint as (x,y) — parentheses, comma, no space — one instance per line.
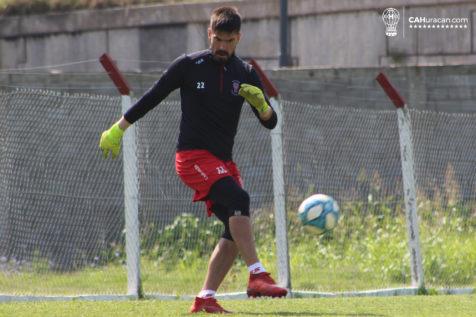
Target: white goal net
(62,205)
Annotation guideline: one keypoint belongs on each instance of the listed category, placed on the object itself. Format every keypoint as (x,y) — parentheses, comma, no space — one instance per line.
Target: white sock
(256,268)
(206,293)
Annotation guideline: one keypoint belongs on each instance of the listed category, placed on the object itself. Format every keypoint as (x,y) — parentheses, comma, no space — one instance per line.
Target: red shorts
(199,170)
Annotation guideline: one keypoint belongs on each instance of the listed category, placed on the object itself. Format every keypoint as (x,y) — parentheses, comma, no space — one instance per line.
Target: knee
(242,205)
(228,193)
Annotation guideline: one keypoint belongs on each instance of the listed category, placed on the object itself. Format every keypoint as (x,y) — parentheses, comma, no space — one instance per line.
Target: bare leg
(242,233)
(220,263)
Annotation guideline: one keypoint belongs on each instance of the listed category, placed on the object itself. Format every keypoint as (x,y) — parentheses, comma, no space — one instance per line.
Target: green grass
(367,250)
(361,254)
(111,279)
(185,280)
(422,306)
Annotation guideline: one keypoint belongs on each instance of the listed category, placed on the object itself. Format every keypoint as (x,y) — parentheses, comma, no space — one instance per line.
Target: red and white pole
(131,182)
(409,188)
(282,251)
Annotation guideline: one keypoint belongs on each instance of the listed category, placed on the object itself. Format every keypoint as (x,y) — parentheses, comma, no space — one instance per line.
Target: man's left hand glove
(254,96)
(111,141)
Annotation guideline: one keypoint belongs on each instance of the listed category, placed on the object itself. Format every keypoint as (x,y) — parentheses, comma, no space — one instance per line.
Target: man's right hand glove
(254,96)
(111,141)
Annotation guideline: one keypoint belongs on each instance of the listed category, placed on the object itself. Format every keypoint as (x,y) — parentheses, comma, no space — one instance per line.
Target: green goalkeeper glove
(111,141)
(254,96)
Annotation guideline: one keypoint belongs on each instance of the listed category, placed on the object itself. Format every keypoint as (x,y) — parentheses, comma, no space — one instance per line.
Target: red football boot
(262,284)
(208,305)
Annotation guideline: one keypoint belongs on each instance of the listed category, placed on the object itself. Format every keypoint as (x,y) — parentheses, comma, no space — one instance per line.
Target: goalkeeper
(213,84)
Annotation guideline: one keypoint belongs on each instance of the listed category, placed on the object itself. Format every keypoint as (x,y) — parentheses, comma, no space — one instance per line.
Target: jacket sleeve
(168,82)
(255,81)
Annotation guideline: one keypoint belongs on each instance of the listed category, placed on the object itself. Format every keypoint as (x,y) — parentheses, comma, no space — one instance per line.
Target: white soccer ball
(319,212)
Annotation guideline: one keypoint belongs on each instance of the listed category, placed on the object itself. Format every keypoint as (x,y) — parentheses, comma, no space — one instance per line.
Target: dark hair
(225,19)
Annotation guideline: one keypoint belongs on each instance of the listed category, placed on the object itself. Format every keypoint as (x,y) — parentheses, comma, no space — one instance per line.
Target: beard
(221,56)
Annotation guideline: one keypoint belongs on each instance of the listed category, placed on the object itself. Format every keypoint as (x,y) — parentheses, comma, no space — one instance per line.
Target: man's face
(223,44)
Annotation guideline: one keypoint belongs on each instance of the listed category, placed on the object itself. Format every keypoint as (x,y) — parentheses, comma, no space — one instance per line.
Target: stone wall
(345,33)
(438,88)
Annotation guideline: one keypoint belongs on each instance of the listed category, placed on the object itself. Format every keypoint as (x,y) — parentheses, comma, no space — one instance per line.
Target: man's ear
(209,30)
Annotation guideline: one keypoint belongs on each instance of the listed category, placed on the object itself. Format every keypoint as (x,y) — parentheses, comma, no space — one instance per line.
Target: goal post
(63,208)
(131,183)
(408,173)
(282,252)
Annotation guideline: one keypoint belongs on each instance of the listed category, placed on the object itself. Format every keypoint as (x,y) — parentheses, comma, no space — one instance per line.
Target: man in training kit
(213,84)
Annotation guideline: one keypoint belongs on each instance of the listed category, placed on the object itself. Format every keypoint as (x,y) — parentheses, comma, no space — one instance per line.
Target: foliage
(371,239)
(186,239)
(368,249)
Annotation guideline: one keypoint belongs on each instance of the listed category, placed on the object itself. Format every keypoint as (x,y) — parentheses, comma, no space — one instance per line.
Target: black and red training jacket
(210,103)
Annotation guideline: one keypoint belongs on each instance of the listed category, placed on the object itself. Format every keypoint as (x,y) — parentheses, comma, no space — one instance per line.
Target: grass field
(430,306)
(187,280)
(361,256)
(179,280)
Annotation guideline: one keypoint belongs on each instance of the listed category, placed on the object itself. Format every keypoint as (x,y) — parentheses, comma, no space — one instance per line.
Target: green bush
(370,243)
(186,239)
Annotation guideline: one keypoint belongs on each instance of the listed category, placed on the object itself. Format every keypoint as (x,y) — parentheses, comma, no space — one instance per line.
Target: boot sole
(254,294)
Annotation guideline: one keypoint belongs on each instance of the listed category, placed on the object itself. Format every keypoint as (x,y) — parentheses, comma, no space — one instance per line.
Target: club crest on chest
(235,87)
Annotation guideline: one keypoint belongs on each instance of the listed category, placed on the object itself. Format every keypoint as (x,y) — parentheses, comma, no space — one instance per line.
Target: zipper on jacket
(221,79)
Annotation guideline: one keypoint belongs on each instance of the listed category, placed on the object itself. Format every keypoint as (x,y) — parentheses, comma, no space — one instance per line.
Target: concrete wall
(437,88)
(345,33)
